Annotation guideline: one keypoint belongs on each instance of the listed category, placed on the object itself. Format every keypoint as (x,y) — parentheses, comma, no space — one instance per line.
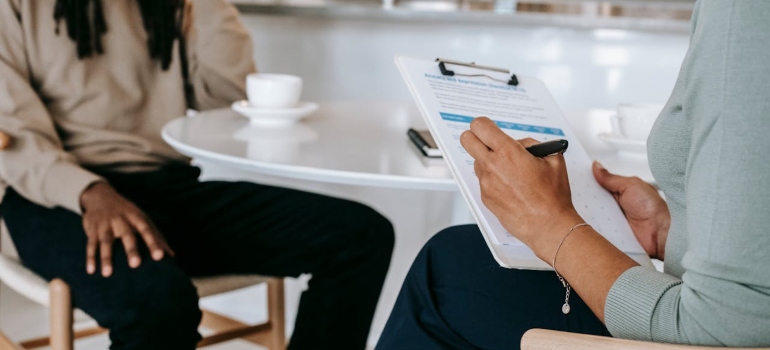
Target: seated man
(96,198)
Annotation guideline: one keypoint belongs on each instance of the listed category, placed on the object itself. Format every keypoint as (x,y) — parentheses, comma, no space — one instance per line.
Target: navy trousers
(216,228)
(456,296)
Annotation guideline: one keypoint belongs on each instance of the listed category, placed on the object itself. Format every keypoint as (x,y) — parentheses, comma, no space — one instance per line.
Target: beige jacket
(67,115)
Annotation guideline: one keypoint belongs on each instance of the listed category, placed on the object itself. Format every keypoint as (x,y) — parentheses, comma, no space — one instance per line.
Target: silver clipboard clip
(514,81)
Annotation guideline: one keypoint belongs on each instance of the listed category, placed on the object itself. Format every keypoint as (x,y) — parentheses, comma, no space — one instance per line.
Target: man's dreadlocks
(162,20)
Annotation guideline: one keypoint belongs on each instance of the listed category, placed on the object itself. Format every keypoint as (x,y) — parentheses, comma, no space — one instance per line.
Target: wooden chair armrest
(6,343)
(542,339)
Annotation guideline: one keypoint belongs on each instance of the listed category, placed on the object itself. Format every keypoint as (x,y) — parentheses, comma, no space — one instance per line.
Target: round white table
(354,142)
(357,143)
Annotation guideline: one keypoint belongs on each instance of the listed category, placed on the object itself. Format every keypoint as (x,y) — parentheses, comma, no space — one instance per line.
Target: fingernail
(157,255)
(598,165)
(90,269)
(106,271)
(135,262)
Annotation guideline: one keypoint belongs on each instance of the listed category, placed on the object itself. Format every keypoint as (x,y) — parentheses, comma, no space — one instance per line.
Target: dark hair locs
(161,19)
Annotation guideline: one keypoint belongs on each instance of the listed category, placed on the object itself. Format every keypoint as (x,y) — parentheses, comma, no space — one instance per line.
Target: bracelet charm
(565,308)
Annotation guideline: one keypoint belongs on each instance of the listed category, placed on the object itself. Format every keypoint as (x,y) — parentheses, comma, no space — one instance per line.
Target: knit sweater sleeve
(723,297)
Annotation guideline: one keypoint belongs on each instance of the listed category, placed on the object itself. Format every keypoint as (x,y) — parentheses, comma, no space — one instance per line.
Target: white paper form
(449,103)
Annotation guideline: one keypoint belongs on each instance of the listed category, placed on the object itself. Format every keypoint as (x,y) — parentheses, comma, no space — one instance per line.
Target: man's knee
(372,230)
(160,305)
(168,301)
(176,303)
(383,234)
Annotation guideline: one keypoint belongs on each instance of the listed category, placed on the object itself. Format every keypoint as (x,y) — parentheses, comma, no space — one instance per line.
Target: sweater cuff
(632,300)
(64,183)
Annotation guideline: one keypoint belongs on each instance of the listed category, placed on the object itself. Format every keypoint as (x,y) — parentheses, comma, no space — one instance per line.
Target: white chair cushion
(23,280)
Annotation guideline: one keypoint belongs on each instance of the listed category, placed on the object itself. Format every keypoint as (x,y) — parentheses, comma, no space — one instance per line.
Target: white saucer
(624,145)
(274,116)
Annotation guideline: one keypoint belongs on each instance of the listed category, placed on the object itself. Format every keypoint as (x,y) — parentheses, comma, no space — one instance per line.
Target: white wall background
(353,58)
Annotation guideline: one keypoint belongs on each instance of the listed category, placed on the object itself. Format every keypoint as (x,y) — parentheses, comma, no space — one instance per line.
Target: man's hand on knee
(108,216)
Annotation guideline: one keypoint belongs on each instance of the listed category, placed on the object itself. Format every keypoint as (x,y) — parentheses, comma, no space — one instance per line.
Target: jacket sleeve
(220,54)
(35,164)
(723,297)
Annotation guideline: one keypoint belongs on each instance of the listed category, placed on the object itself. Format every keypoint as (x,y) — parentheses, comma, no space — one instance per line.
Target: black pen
(548,148)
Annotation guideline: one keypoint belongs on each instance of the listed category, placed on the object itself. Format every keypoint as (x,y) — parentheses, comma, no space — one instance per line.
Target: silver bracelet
(565,308)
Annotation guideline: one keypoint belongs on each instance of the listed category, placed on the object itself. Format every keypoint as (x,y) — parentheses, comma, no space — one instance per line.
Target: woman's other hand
(645,209)
(529,195)
(108,216)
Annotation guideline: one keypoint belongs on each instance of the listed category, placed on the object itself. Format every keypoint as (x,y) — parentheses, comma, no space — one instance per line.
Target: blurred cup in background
(634,121)
(273,90)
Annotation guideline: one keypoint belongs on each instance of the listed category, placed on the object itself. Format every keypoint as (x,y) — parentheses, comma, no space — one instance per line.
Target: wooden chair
(57,296)
(542,339)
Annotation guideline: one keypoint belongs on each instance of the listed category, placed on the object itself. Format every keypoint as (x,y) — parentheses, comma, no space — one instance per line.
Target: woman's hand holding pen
(646,211)
(531,198)
(529,195)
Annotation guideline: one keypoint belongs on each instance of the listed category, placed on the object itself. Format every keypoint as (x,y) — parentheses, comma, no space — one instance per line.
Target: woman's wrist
(546,242)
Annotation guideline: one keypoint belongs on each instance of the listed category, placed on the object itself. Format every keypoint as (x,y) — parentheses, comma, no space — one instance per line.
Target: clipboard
(442,66)
(449,94)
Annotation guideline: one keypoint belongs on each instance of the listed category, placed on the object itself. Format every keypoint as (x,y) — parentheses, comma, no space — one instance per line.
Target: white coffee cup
(273,90)
(634,121)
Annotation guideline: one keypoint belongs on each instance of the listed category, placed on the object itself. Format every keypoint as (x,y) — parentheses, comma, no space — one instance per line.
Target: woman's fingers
(615,184)
(528,142)
(492,136)
(477,149)
(486,132)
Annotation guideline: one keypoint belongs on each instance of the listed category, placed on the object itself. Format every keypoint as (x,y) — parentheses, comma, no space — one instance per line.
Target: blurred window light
(557,77)
(611,56)
(614,76)
(610,34)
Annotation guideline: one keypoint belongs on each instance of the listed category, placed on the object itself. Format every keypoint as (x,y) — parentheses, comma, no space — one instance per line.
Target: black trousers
(216,228)
(456,296)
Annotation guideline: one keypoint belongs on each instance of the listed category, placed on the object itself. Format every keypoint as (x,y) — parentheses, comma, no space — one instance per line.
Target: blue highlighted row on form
(505,125)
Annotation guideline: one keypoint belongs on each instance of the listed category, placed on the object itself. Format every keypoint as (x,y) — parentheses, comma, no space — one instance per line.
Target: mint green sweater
(709,154)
